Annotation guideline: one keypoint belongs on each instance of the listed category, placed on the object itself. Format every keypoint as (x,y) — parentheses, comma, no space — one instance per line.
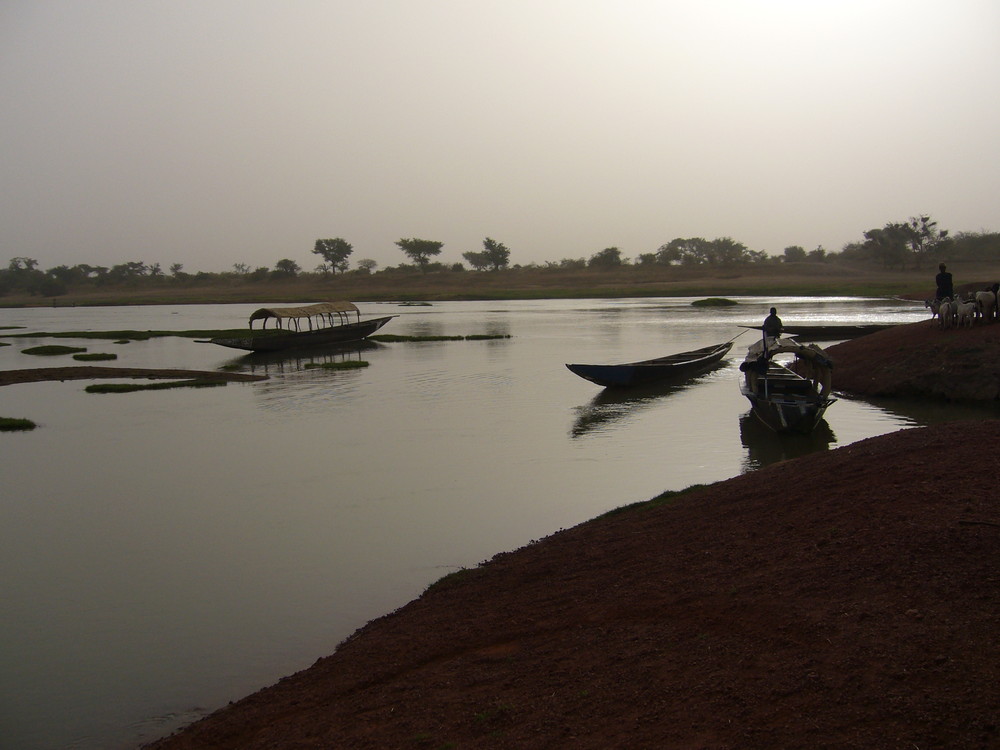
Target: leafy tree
(609,257)
(66,275)
(420,251)
(818,255)
(699,251)
(795,254)
(976,245)
(367,265)
(335,252)
(22,264)
(496,254)
(127,272)
(924,239)
(889,245)
(240,269)
(285,269)
(176,269)
(477,260)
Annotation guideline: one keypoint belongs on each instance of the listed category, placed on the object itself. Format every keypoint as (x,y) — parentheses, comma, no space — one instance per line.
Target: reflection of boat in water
(764,447)
(669,368)
(272,363)
(781,398)
(333,325)
(615,404)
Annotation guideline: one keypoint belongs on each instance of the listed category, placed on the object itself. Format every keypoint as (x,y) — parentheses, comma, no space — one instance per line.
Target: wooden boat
(781,398)
(329,323)
(662,369)
(834,332)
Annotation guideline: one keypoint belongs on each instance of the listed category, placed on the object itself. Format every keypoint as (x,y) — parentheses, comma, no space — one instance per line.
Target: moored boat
(781,398)
(662,369)
(328,323)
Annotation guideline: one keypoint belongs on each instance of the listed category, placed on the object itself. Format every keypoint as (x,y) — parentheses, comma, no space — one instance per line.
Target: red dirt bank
(848,599)
(922,361)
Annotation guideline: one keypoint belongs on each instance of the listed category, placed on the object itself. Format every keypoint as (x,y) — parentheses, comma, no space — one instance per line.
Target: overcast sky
(215,132)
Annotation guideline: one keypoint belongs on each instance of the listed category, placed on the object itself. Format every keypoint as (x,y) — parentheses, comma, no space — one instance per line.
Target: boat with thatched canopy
(307,326)
(782,398)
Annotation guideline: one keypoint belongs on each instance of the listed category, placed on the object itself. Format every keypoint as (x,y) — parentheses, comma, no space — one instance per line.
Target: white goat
(935,307)
(946,312)
(965,313)
(986,305)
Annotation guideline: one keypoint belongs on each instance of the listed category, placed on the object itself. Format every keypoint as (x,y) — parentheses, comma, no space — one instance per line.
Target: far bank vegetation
(888,259)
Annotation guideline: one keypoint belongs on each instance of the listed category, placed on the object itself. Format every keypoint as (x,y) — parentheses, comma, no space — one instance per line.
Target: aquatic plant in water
(53,349)
(9,424)
(130,387)
(348,365)
(714,302)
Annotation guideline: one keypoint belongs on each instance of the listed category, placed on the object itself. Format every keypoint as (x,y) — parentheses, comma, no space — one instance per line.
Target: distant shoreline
(806,279)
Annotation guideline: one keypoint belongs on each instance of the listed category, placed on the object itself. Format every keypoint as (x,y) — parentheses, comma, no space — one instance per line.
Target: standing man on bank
(944,286)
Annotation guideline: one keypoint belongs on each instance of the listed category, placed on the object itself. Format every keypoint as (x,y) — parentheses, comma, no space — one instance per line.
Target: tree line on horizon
(913,243)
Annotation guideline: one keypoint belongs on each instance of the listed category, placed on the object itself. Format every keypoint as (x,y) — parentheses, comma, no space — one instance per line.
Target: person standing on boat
(772,324)
(943,281)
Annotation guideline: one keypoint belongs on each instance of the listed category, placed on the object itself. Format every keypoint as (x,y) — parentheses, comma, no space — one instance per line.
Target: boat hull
(274,342)
(662,370)
(784,401)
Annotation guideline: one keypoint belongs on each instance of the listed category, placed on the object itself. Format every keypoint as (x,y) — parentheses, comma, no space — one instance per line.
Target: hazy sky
(214,132)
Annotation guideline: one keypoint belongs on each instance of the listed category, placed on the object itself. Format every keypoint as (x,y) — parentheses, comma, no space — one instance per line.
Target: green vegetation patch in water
(349,365)
(122,337)
(51,350)
(391,337)
(95,357)
(714,302)
(10,424)
(130,387)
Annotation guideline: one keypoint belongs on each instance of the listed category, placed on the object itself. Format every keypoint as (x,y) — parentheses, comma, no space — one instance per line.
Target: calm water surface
(166,552)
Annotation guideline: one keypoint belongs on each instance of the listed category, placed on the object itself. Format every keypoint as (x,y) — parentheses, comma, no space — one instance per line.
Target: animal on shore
(986,305)
(965,313)
(946,312)
(934,305)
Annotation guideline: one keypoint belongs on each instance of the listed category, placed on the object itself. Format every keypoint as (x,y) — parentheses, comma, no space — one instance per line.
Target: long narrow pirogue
(328,323)
(661,369)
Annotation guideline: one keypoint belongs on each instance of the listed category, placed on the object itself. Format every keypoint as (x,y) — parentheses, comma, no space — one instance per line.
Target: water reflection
(616,404)
(928,412)
(764,446)
(283,363)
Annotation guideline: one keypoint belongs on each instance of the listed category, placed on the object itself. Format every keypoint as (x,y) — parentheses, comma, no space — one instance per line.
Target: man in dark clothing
(943,281)
(772,324)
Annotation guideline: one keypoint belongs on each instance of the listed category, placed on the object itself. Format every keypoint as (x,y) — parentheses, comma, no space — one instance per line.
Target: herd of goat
(964,311)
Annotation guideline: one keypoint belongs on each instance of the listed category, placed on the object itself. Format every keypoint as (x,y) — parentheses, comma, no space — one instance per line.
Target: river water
(165,552)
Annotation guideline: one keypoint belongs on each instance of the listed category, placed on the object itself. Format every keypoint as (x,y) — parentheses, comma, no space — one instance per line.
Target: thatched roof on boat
(306,311)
